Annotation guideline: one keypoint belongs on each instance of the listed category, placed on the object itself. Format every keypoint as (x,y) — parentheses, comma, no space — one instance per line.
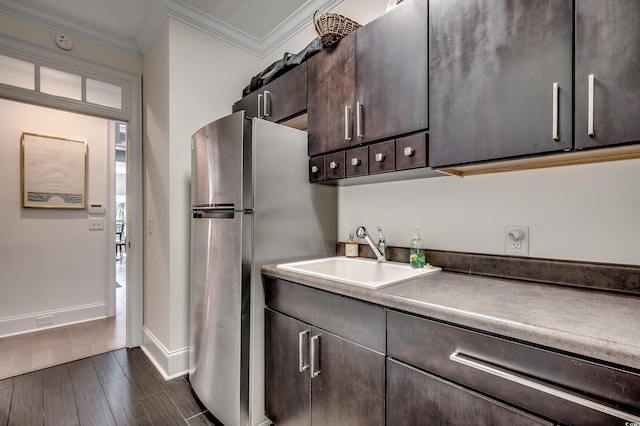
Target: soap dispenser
(416,251)
(351,246)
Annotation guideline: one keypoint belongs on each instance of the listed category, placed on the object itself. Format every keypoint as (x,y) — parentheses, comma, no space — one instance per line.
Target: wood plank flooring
(121,387)
(27,352)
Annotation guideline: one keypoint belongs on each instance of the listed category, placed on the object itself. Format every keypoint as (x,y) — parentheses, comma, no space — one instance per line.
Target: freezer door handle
(303,338)
(213,214)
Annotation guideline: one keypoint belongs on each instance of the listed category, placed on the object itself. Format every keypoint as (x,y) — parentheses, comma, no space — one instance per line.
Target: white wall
(585,212)
(190,79)
(49,260)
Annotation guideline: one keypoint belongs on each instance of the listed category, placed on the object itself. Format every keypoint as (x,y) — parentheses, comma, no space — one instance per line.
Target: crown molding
(293,24)
(179,10)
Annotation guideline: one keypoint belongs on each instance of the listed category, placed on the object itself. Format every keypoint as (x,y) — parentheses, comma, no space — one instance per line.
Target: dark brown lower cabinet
(317,378)
(415,397)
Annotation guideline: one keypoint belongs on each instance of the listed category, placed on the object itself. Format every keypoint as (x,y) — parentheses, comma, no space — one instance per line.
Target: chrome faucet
(380,249)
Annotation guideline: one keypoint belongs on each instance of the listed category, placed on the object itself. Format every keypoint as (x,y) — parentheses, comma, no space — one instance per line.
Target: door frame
(131,113)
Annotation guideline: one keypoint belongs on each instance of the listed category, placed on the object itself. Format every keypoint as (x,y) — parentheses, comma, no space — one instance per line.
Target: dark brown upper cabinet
(384,95)
(391,73)
(500,79)
(607,79)
(283,98)
(331,101)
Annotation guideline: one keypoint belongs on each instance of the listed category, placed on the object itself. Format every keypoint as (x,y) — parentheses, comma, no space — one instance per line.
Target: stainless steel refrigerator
(251,204)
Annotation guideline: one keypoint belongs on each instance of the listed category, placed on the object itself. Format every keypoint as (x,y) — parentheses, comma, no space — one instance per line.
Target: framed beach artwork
(54,172)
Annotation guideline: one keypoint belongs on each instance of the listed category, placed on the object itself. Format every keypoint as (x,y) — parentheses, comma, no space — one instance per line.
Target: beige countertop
(595,324)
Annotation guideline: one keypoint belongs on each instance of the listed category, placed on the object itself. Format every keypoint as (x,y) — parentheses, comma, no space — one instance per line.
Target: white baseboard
(170,364)
(55,318)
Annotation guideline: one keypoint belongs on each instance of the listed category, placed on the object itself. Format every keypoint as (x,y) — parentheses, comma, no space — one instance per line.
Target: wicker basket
(331,27)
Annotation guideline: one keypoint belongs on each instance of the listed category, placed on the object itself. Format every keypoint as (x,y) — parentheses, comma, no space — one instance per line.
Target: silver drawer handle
(315,169)
(505,374)
(554,126)
(408,151)
(590,131)
(301,339)
(314,372)
(333,165)
(355,162)
(379,157)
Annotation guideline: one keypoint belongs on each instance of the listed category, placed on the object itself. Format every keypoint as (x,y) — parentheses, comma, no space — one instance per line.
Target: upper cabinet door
(330,97)
(500,76)
(608,49)
(286,96)
(392,81)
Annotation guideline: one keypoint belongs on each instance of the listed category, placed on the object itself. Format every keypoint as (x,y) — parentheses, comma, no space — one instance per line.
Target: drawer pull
(314,372)
(301,340)
(408,151)
(355,162)
(554,126)
(315,169)
(590,107)
(379,157)
(333,165)
(507,375)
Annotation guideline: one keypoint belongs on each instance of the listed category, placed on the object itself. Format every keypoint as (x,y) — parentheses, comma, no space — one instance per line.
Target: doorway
(120,203)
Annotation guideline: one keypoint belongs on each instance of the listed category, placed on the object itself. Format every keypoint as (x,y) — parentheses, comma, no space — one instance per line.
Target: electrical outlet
(96,224)
(516,240)
(44,320)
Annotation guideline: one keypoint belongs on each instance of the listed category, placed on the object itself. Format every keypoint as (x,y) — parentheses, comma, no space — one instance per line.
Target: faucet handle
(381,238)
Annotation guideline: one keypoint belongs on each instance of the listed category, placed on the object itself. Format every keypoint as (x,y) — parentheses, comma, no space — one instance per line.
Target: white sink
(362,272)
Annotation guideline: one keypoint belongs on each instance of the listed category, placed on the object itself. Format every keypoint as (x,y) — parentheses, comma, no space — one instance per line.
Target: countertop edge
(620,353)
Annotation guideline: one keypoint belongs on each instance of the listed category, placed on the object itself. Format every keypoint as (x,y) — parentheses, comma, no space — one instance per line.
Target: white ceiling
(257,26)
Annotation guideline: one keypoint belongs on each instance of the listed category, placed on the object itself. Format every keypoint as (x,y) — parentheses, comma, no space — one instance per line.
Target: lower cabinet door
(287,388)
(349,383)
(415,397)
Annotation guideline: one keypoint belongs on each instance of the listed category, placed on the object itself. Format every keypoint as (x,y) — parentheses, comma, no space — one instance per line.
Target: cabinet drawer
(382,157)
(415,397)
(357,321)
(554,385)
(411,152)
(335,165)
(317,169)
(357,161)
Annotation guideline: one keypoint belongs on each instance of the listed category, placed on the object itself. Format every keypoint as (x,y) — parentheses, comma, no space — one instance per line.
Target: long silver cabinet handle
(359,132)
(301,344)
(505,374)
(259,104)
(347,127)
(267,104)
(590,106)
(314,340)
(555,112)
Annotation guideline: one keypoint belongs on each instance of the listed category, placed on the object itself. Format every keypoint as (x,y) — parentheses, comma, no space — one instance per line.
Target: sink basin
(362,272)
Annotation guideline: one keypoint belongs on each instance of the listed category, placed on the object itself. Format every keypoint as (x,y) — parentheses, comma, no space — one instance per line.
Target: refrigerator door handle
(213,214)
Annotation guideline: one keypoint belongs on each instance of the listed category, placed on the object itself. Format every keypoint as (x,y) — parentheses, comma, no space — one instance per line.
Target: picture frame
(54,172)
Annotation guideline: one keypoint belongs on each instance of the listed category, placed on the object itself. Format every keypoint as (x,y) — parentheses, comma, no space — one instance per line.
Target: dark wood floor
(115,388)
